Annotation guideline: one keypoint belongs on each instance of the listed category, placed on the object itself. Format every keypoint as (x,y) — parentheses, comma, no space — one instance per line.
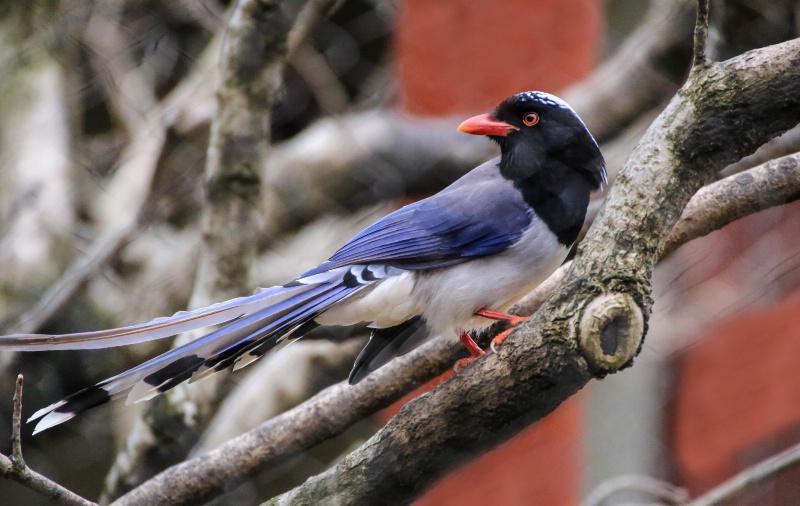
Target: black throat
(558,194)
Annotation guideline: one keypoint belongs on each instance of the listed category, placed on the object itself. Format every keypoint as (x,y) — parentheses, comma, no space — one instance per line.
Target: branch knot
(610,331)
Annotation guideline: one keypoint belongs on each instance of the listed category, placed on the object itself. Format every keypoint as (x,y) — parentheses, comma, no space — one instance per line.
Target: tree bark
(530,385)
(251,71)
(724,111)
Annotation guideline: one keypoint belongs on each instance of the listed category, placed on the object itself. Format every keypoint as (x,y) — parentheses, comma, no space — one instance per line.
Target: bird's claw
(499,338)
(460,365)
(517,320)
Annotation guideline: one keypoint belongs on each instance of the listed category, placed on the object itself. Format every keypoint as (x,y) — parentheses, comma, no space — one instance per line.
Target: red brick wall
(463,56)
(540,466)
(737,401)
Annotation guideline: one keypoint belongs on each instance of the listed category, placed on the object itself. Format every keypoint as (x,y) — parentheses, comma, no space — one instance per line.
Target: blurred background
(105,109)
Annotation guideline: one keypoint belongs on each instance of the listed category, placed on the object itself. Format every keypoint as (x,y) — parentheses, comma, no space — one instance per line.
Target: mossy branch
(724,111)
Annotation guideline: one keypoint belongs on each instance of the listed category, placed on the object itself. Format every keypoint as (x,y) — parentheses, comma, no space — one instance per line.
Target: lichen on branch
(723,112)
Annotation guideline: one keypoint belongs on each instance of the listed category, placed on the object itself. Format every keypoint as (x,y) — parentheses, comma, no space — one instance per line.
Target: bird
(445,265)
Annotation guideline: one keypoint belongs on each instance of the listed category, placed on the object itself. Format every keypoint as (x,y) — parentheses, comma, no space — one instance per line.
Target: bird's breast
(450,296)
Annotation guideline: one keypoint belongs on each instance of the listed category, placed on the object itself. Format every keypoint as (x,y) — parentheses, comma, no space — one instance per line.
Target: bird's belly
(449,297)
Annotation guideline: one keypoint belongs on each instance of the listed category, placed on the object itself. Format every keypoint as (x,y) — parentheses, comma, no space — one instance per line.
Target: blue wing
(480,214)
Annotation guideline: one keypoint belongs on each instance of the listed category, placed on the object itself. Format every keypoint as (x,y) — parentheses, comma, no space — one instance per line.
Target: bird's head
(537,132)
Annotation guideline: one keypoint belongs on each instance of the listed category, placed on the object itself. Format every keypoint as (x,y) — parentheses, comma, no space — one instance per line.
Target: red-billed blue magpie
(443,266)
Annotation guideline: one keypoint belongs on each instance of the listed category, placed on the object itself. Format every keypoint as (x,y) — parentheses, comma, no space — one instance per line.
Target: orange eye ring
(530,118)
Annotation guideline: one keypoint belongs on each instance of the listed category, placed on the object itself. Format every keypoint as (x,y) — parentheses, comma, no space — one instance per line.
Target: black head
(538,132)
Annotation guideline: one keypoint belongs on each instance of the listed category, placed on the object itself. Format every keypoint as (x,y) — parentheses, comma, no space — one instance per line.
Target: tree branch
(751,476)
(252,64)
(657,491)
(542,363)
(341,405)
(14,468)
(771,184)
(699,57)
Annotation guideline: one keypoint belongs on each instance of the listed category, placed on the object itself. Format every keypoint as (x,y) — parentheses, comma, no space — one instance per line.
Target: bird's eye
(530,118)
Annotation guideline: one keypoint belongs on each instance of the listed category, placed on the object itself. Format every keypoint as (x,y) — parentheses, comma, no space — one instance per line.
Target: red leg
(499,338)
(471,345)
(473,348)
(497,315)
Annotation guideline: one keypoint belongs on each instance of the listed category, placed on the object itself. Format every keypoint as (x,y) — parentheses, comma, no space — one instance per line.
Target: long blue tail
(255,324)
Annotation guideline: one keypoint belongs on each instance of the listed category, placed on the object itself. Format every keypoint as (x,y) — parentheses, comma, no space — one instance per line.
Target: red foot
(499,338)
(474,350)
(497,315)
(461,364)
(471,345)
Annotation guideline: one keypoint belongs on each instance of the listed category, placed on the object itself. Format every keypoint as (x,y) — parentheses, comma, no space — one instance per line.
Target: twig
(751,476)
(75,277)
(700,34)
(14,468)
(655,490)
(307,19)
(16,423)
(771,184)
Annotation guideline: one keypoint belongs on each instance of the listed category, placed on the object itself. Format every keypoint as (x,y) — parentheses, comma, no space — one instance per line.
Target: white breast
(449,297)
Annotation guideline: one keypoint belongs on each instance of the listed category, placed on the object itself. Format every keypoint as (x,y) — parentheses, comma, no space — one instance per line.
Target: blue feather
(450,227)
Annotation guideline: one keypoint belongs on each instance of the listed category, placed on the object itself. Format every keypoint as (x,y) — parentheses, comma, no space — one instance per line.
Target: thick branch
(541,364)
(292,432)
